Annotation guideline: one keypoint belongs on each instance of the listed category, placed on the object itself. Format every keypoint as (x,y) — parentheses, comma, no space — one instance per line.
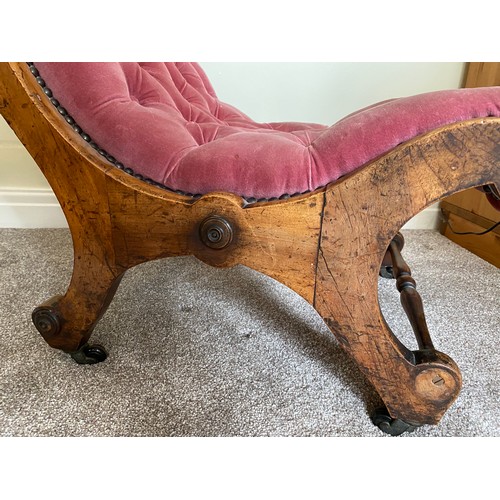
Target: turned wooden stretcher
(328,245)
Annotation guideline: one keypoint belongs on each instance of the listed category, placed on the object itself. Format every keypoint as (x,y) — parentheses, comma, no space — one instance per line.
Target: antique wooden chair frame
(328,245)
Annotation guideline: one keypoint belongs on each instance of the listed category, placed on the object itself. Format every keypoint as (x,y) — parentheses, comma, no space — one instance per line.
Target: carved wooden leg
(414,309)
(417,387)
(362,215)
(66,322)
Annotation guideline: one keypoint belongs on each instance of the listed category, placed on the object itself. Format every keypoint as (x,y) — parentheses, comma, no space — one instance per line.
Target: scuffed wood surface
(362,215)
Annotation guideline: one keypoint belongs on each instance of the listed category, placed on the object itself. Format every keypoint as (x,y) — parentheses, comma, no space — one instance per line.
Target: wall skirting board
(39,208)
(30,208)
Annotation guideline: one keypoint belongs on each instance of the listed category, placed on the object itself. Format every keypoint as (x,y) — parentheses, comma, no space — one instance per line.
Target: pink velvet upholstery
(165,122)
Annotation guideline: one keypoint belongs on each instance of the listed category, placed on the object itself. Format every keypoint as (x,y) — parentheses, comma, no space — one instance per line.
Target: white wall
(323,92)
(313,92)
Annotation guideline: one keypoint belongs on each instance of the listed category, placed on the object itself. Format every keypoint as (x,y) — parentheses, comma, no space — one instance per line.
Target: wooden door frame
(481,74)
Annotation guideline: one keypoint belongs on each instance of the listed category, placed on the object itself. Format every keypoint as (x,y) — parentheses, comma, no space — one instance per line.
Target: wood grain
(470,207)
(482,74)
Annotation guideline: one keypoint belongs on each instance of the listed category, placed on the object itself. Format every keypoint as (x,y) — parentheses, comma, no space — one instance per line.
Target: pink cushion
(165,122)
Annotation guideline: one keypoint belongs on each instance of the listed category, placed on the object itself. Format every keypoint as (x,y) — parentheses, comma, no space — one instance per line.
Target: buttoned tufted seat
(164,122)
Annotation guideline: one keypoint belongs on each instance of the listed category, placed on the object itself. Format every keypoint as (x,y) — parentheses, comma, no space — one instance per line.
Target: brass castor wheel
(389,425)
(89,354)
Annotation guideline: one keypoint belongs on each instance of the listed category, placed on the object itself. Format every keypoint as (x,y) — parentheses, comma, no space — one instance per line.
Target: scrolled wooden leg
(67,321)
(362,215)
(49,322)
(416,387)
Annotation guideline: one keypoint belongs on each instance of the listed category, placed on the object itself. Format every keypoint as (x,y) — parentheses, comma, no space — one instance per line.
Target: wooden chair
(328,245)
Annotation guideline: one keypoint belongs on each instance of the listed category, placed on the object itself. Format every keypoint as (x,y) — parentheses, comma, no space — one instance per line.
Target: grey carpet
(198,351)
